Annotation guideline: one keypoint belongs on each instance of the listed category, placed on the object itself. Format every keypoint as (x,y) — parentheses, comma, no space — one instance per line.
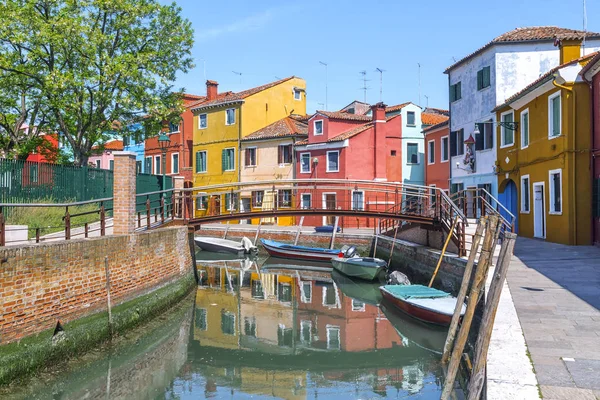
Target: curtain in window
(556,116)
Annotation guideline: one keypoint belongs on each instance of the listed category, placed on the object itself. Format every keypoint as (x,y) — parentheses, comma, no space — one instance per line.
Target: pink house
(104,159)
(353,147)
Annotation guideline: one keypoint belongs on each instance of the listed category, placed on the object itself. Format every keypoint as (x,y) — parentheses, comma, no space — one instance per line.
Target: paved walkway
(556,293)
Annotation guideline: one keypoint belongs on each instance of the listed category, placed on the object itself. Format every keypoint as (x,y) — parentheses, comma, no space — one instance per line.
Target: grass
(50,219)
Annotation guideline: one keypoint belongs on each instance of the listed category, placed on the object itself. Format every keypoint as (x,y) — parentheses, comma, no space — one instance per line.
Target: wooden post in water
(463,289)
(485,259)
(110,320)
(299,229)
(393,243)
(257,231)
(376,237)
(443,251)
(335,226)
(226,231)
(489,314)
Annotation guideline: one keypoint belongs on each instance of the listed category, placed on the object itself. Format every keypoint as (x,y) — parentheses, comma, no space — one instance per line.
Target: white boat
(219,245)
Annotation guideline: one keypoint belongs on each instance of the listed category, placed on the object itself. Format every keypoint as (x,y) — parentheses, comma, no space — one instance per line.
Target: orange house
(437,156)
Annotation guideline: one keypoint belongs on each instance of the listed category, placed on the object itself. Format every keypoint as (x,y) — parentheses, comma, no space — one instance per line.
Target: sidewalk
(556,293)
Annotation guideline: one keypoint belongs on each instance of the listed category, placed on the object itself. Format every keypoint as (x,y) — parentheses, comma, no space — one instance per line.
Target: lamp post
(164,142)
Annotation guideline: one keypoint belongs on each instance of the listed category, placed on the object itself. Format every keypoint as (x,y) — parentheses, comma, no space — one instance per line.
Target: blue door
(509,199)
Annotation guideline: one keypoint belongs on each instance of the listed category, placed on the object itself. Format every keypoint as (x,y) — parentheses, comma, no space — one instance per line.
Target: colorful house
(102,156)
(543,170)
(437,170)
(221,120)
(268,154)
(135,143)
(349,146)
(413,147)
(487,77)
(48,151)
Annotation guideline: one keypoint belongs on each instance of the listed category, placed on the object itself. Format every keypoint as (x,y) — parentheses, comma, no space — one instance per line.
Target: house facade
(485,79)
(544,174)
(413,145)
(352,147)
(223,119)
(135,143)
(102,156)
(437,155)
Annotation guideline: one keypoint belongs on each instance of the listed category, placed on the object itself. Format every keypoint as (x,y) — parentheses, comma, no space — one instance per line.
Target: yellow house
(268,154)
(543,163)
(221,120)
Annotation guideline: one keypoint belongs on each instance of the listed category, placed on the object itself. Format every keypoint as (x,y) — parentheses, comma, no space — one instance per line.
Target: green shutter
(197,161)
(525,123)
(452,93)
(224,160)
(480,79)
(556,116)
(486,77)
(458,91)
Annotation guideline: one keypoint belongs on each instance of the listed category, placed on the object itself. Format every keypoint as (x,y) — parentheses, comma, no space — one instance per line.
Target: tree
(95,66)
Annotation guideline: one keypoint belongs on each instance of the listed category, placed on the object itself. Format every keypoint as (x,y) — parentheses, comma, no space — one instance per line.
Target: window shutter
(556,116)
(480,79)
(247,157)
(458,91)
(279,155)
(452,144)
(479,139)
(224,160)
(486,77)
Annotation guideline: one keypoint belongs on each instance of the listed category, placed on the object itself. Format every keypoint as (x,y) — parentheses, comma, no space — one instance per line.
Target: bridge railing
(478,202)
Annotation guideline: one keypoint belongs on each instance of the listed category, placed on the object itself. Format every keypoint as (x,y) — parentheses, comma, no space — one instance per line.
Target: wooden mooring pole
(299,230)
(489,242)
(460,299)
(443,251)
(257,231)
(110,320)
(489,315)
(335,226)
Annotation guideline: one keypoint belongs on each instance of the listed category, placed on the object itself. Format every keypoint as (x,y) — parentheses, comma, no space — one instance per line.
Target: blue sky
(267,40)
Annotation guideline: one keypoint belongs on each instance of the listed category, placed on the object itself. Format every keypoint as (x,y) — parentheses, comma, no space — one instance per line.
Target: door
(509,198)
(329,202)
(539,211)
(471,202)
(246,207)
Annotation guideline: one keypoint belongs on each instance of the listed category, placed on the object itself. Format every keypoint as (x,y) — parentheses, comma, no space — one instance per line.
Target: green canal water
(260,330)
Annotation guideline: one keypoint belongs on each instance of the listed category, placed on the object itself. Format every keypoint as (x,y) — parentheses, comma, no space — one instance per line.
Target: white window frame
(526,111)
(338,163)
(324,297)
(98,163)
(329,328)
(309,166)
(523,211)
(173,163)
(362,205)
(206,157)
(255,156)
(303,297)
(297,92)
(550,98)
(442,160)
(226,112)
(200,121)
(551,192)
(415,118)
(306,323)
(159,164)
(430,153)
(418,155)
(151,164)
(200,202)
(302,201)
(357,308)
(315,127)
(230,148)
(503,128)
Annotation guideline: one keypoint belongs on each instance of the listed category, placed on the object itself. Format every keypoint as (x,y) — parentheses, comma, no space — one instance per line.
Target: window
(333,337)
(485,139)
(525,194)
(412,153)
(227,322)
(306,292)
(284,154)
(157,165)
(457,145)
(201,322)
(431,152)
(358,305)
(297,94)
(284,293)
(483,78)
(173,127)
(250,157)
(455,92)
(554,115)
(231,201)
(201,202)
(329,295)
(126,141)
(175,163)
(111,165)
(97,163)
(250,326)
(410,118)
(507,135)
(148,165)
(284,336)
(445,149)
(230,116)
(33,173)
(393,153)
(305,332)
(201,161)
(457,187)
(358,200)
(525,129)
(257,290)
(333,158)
(318,127)
(306,200)
(284,198)
(257,198)
(202,121)
(228,160)
(138,167)
(556,191)
(305,163)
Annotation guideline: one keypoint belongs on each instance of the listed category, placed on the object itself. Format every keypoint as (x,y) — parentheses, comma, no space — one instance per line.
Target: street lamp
(513,126)
(164,142)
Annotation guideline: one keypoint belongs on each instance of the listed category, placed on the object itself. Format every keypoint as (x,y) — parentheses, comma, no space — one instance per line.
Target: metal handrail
(76,203)
(500,204)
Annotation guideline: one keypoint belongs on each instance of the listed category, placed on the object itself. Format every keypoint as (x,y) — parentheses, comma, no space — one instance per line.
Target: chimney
(211,90)
(569,50)
(378,112)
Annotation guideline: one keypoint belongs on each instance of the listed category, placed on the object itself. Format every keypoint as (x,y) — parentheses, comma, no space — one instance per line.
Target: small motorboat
(421,302)
(326,229)
(366,268)
(283,250)
(218,245)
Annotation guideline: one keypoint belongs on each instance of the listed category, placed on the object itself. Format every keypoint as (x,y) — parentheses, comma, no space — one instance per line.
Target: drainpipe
(574,169)
(593,142)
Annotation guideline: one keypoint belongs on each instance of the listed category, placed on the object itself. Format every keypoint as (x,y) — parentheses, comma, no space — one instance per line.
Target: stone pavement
(556,293)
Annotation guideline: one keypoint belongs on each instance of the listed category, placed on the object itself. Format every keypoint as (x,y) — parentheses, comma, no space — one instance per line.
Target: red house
(353,147)
(179,152)
(437,156)
(47,152)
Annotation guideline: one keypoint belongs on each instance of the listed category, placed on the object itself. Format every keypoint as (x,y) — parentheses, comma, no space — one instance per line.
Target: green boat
(358,289)
(366,268)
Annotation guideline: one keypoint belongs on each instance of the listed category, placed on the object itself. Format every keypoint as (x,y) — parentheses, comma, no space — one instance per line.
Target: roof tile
(285,127)
(345,116)
(432,119)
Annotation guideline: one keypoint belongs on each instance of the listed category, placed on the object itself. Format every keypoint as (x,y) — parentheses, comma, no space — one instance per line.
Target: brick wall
(40,284)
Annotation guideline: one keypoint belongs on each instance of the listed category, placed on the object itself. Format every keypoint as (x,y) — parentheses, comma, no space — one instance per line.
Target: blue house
(135,143)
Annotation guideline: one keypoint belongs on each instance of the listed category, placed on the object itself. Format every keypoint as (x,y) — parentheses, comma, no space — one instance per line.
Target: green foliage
(94,66)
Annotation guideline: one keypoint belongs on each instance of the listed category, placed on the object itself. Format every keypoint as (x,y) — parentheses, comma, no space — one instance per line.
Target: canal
(260,329)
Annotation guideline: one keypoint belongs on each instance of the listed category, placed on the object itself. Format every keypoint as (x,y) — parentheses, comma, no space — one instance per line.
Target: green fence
(147,183)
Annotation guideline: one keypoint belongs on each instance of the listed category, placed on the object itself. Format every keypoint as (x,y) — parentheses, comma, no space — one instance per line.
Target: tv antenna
(381,71)
(238,73)
(325,65)
(364,87)
(426,100)
(419,64)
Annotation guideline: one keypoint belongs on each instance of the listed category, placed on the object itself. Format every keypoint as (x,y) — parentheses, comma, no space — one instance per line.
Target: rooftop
(436,126)
(293,125)
(432,119)
(344,116)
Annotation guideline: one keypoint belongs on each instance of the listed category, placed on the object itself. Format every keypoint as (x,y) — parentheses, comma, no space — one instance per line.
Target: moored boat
(366,268)
(283,250)
(326,229)
(424,303)
(357,289)
(218,245)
